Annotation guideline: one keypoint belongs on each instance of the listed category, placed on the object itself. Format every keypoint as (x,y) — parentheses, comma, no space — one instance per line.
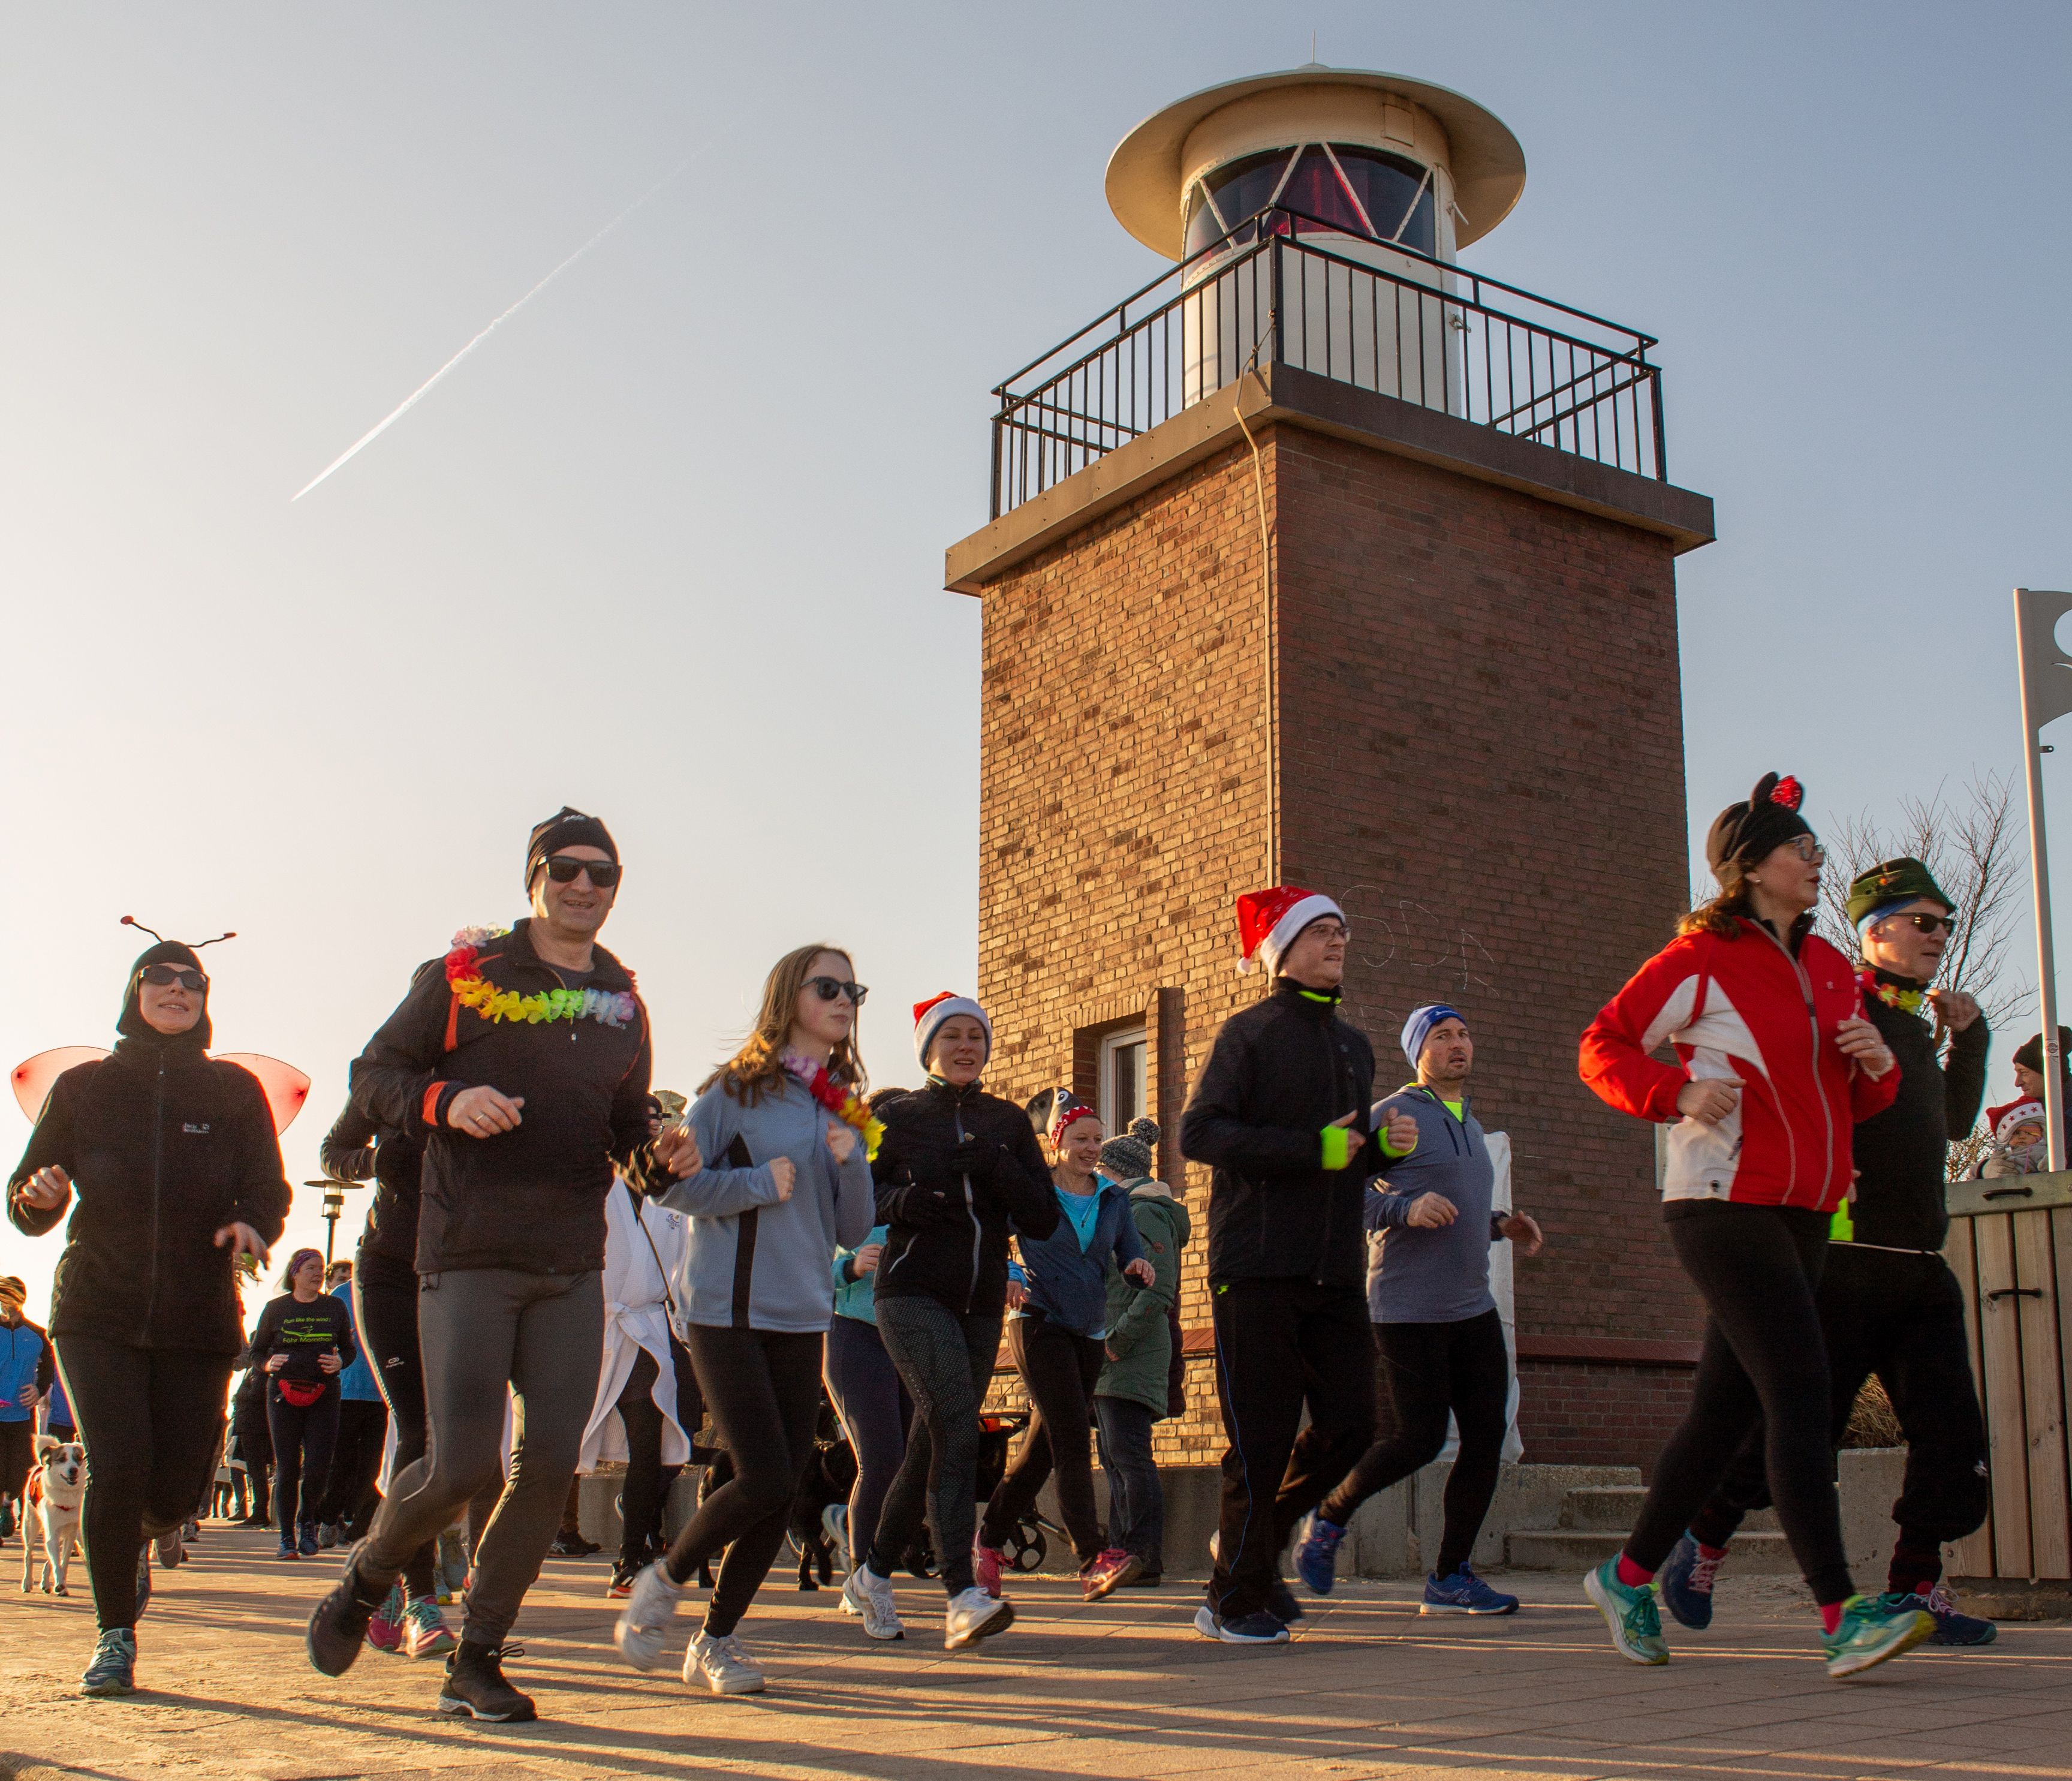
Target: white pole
(2045,696)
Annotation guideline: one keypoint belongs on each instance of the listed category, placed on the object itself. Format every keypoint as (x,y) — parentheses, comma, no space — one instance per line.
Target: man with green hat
(1889,1302)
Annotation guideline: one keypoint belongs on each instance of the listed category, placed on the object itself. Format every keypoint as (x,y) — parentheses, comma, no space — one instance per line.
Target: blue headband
(1884,909)
(1418,1028)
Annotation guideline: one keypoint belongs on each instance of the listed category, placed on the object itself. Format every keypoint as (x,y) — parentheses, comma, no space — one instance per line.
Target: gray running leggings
(480,1330)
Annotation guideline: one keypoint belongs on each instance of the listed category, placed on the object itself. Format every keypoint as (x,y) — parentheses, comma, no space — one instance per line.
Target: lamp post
(2046,694)
(334,1206)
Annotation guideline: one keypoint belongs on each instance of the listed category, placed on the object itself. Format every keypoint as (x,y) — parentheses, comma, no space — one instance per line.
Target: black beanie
(2030,1056)
(566,827)
(133,1025)
(1743,833)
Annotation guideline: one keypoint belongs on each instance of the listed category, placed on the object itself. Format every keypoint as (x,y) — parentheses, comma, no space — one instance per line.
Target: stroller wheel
(1026,1548)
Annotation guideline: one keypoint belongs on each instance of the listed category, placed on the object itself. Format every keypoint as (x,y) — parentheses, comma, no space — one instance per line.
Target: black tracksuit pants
(1424,1371)
(1060,1368)
(150,1418)
(648,1479)
(1281,1344)
(350,1497)
(1764,1360)
(1901,1316)
(387,1301)
(763,1387)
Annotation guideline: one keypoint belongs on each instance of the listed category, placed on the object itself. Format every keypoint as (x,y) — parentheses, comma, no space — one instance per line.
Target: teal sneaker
(1870,1632)
(114,1670)
(1635,1622)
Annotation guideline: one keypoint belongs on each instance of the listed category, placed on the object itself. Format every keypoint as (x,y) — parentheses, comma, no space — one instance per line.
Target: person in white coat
(640,1414)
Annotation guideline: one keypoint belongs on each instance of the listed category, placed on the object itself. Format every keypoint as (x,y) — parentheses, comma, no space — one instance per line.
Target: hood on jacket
(131,1023)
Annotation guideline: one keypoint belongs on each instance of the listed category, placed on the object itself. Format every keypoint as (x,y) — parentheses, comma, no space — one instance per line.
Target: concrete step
(1612,1507)
(1576,1549)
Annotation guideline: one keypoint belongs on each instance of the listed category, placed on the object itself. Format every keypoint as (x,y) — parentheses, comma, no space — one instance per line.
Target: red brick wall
(1481,754)
(1605,1413)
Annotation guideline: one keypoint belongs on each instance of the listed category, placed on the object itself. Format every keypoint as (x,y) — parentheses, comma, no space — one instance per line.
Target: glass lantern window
(1395,192)
(1235,192)
(1351,190)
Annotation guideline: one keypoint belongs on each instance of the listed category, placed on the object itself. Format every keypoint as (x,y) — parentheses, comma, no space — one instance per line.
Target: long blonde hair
(756,1068)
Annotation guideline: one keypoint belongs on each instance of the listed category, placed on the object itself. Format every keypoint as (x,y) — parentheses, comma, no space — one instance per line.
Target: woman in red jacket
(1775,1065)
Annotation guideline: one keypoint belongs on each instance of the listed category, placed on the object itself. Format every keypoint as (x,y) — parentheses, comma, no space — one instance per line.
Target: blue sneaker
(308,1545)
(1686,1582)
(1465,1593)
(114,1670)
(1951,1627)
(1316,1557)
(1281,1604)
(1630,1612)
(1259,1628)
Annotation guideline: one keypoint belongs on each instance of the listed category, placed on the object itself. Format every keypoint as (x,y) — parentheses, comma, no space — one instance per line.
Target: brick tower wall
(1480,753)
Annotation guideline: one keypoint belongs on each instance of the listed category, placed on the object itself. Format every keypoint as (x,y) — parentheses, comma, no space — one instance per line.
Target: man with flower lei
(1888,1303)
(522,1058)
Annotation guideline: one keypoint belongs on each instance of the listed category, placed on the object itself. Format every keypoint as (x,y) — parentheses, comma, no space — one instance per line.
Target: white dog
(50,1511)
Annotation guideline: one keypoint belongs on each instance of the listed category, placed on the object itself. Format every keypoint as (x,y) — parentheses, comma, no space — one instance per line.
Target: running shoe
(475,1685)
(327,1534)
(834,1528)
(573,1545)
(643,1626)
(338,1623)
(623,1571)
(384,1631)
(1317,1556)
(143,1579)
(172,1551)
(972,1616)
(1465,1593)
(1110,1571)
(864,1592)
(1260,1628)
(986,1563)
(1870,1632)
(113,1669)
(1281,1603)
(1635,1622)
(308,1545)
(722,1662)
(1686,1580)
(425,1633)
(1951,1627)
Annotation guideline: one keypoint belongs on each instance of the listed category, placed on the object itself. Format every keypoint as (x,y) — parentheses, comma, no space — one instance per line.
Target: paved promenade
(1120,1688)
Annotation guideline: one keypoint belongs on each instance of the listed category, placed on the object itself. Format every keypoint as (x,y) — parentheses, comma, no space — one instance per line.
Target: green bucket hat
(1890,882)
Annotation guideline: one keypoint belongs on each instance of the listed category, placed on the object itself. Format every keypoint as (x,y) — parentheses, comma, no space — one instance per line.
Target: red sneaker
(986,1563)
(1111,1570)
(384,1631)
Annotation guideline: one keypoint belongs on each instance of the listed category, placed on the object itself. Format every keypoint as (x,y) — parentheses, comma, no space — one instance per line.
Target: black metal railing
(1414,327)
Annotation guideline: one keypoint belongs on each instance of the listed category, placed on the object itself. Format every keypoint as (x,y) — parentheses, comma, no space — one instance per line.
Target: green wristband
(1337,1146)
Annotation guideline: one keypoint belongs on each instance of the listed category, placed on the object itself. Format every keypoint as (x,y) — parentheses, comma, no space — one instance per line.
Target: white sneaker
(974,1615)
(864,1592)
(721,1665)
(643,1623)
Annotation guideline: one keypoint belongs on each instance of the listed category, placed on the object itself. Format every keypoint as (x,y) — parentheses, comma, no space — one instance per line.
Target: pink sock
(1831,1615)
(1631,1575)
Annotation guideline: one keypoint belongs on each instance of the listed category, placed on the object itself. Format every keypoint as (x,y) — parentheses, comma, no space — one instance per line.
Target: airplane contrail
(424,389)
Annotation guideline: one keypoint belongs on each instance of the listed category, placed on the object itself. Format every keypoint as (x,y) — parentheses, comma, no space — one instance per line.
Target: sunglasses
(1931,924)
(827,989)
(563,869)
(163,975)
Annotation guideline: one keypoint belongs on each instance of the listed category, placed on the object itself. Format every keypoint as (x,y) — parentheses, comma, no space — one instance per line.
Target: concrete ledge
(1282,395)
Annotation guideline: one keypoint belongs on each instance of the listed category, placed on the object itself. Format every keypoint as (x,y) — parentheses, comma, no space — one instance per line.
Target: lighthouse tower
(1328,559)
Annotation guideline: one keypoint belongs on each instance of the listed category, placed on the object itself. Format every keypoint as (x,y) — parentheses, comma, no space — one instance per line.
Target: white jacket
(636,1316)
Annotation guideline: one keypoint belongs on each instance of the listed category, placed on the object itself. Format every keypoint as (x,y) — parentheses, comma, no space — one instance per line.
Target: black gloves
(975,1157)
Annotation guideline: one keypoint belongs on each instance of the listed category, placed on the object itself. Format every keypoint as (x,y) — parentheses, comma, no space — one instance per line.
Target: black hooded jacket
(958,1171)
(165,1146)
(531,1199)
(1279,1073)
(1902,1153)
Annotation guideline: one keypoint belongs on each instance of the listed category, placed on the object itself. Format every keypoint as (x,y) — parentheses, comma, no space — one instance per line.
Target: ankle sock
(1831,1615)
(1713,1553)
(1914,1570)
(1631,1575)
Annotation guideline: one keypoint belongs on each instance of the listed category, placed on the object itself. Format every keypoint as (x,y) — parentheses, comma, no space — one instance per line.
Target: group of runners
(804,1233)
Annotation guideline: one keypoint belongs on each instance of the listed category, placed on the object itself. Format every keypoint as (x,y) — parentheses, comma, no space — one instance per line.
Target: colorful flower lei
(844,1102)
(472,989)
(1891,994)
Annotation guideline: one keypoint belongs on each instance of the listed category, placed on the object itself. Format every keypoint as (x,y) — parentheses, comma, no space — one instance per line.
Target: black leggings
(1423,1371)
(388,1329)
(150,1418)
(763,1387)
(1060,1368)
(648,1479)
(946,1362)
(1757,1269)
(350,1495)
(303,1438)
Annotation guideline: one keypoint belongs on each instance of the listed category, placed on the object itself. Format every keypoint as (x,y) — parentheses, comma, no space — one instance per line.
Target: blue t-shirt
(1084,1210)
(356,1381)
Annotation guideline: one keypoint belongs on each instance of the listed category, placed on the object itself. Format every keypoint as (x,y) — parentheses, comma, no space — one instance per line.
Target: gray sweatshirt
(1431,1276)
(742,1238)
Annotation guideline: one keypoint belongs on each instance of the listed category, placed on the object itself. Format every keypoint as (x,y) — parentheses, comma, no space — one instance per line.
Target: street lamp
(334,1206)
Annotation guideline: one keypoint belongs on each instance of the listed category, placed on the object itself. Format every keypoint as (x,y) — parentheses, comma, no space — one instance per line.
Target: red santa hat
(1268,921)
(929,1016)
(2024,1112)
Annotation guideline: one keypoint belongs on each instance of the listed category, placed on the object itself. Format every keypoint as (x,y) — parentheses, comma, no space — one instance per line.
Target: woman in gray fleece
(786,1180)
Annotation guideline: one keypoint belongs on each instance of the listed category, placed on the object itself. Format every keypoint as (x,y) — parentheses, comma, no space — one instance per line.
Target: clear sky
(668,545)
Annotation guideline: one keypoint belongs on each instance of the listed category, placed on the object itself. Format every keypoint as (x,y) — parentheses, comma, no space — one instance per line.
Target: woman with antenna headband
(173,1160)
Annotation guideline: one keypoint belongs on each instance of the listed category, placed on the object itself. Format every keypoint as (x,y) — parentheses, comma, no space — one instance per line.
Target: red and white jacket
(1742,1007)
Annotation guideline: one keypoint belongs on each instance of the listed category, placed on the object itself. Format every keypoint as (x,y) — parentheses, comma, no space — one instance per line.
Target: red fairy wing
(286,1087)
(32,1078)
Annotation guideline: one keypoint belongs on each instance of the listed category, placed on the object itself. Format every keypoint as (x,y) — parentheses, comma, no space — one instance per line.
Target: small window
(1235,192)
(1122,1096)
(1395,193)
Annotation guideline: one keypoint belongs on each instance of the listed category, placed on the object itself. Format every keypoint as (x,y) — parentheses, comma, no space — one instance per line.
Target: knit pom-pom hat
(1127,1156)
